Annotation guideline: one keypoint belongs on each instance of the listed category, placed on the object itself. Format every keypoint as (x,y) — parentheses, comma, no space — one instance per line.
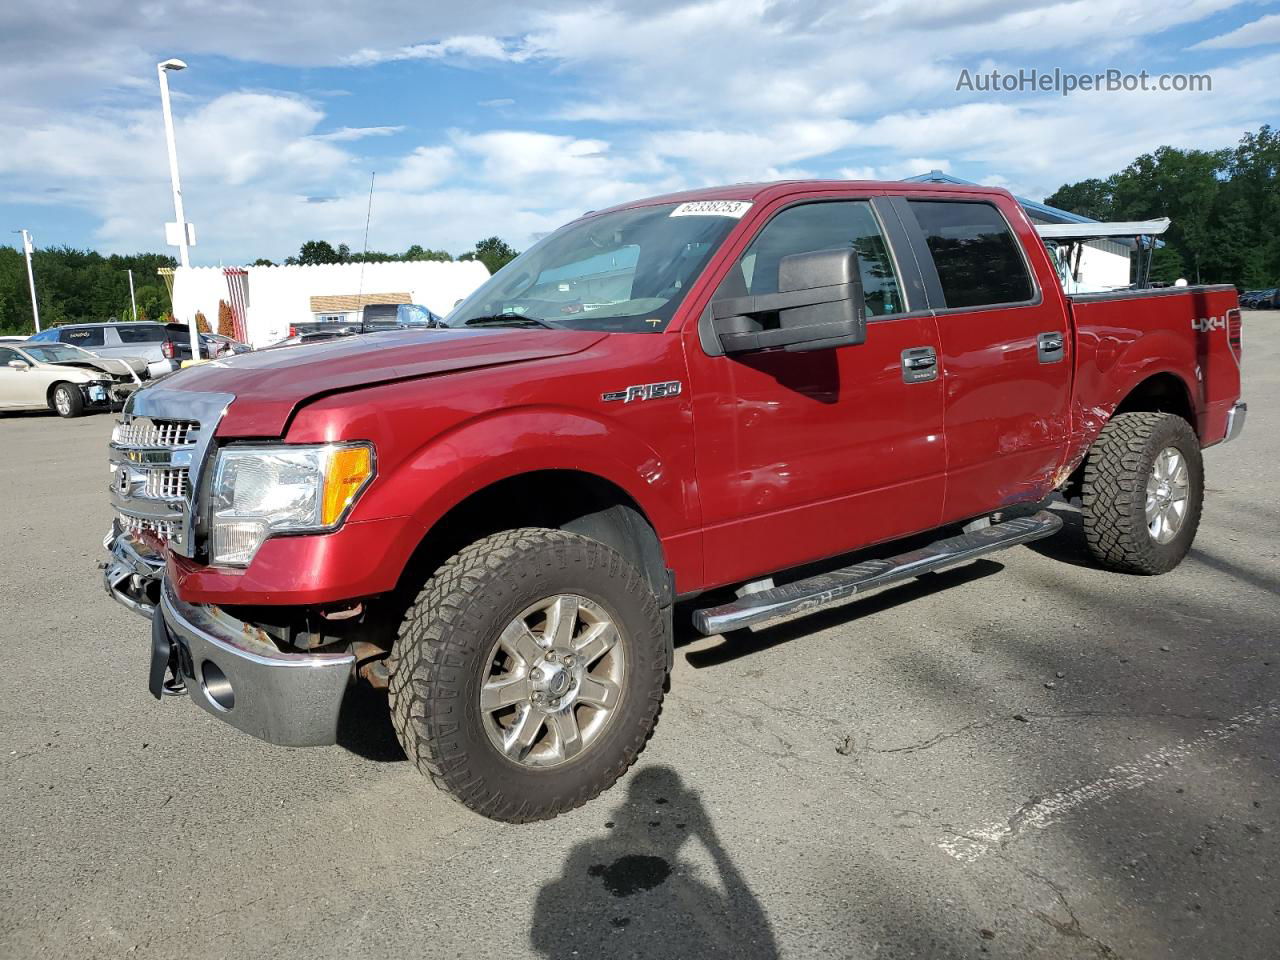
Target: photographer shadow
(630,893)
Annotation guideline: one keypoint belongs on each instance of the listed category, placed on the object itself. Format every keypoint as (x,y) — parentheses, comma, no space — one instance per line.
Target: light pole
(182,228)
(133,301)
(31,277)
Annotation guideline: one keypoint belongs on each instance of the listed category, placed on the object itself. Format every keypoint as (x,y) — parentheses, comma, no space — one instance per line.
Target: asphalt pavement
(1025,757)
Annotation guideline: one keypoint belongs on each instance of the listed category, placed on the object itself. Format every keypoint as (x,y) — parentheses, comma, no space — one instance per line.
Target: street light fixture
(182,229)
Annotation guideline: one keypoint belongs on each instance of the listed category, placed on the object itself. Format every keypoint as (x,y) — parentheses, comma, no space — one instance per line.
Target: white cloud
(479,47)
(1262,31)
(617,100)
(343,134)
(424,168)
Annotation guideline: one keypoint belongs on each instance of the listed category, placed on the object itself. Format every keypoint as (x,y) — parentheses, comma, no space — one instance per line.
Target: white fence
(281,296)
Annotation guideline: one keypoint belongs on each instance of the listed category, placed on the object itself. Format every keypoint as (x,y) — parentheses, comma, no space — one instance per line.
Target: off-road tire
(75,400)
(441,655)
(1115,491)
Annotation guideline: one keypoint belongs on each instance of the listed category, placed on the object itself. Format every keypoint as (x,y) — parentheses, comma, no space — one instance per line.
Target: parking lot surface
(1025,757)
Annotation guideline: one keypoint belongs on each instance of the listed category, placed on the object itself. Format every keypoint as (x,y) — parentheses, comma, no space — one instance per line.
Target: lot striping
(971,845)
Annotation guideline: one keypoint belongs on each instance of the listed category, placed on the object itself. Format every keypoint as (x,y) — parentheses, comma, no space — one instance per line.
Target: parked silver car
(163,346)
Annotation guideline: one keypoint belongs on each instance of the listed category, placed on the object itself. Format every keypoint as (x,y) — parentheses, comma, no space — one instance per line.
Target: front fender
(506,443)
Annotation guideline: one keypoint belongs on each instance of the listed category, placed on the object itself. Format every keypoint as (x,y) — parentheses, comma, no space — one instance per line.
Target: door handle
(1049,347)
(919,365)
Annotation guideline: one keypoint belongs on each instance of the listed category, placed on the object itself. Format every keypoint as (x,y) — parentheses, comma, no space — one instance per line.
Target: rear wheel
(1143,491)
(66,400)
(529,673)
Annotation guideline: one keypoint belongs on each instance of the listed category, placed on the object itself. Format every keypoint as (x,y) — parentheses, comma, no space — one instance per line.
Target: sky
(511,117)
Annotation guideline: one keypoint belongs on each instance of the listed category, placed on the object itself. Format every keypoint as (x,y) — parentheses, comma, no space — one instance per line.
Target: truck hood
(269,385)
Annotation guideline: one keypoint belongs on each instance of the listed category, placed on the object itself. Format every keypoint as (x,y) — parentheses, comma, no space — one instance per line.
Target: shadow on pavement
(634,893)
(364,725)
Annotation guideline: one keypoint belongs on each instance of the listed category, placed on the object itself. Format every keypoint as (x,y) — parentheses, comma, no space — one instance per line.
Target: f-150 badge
(644,391)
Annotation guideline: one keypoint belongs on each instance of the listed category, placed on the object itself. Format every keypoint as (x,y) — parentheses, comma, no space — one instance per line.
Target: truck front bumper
(230,668)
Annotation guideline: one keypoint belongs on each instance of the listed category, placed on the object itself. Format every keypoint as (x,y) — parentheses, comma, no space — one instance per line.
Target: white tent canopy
(1093,231)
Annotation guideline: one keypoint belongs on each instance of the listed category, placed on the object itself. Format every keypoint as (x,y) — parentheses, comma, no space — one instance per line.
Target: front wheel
(67,400)
(1143,491)
(529,672)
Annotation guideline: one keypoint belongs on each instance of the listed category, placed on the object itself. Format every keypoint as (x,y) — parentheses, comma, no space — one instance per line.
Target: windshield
(57,353)
(625,271)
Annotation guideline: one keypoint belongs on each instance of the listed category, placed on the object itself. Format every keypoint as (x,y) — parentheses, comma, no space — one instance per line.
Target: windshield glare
(625,271)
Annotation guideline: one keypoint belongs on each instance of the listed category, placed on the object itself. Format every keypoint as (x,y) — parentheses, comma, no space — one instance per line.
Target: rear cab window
(977,257)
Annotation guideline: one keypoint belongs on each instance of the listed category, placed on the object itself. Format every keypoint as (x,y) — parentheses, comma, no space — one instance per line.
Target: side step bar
(804,596)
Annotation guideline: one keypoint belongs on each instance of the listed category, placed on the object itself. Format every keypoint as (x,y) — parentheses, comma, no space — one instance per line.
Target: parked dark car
(374,316)
(220,346)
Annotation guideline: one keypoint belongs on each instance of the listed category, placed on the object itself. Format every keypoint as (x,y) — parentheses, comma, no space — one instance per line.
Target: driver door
(806,455)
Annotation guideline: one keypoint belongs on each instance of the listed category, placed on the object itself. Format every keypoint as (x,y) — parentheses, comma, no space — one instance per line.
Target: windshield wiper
(512,319)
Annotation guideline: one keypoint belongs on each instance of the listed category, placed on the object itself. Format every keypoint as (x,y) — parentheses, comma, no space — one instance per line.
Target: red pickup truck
(690,395)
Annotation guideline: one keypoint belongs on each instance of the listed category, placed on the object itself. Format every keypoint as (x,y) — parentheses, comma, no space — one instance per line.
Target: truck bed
(1186,336)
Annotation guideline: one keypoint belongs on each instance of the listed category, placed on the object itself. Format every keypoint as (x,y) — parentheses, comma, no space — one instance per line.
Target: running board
(804,596)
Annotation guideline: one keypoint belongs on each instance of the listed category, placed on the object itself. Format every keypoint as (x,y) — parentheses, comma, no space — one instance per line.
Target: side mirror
(18,364)
(818,306)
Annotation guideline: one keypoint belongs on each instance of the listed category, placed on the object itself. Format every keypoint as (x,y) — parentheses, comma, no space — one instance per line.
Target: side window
(976,254)
(142,333)
(83,336)
(6,355)
(834,225)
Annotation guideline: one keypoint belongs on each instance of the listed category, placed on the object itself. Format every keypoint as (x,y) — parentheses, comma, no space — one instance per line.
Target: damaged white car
(63,378)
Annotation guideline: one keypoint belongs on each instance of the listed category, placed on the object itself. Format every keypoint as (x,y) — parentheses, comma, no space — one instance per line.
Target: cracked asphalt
(1025,757)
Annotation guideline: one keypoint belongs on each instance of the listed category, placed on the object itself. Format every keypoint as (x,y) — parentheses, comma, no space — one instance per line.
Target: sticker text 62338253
(713,208)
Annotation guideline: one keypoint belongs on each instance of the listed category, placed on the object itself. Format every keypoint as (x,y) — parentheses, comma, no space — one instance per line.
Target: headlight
(261,491)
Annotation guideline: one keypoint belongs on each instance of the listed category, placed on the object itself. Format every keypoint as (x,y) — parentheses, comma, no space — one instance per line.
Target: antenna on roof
(368,215)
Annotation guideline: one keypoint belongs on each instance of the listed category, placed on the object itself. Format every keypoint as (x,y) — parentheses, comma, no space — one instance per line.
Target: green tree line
(1224,204)
(79,286)
(494,252)
(83,286)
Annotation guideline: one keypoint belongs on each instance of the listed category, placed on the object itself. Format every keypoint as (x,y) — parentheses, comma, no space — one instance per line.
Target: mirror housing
(19,364)
(818,306)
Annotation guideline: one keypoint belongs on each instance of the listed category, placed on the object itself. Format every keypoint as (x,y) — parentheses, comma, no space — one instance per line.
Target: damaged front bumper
(230,668)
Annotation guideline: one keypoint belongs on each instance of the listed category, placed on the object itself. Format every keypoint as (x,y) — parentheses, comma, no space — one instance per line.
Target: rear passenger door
(1006,354)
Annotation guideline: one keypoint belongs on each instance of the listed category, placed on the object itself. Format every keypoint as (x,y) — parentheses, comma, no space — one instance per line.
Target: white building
(271,299)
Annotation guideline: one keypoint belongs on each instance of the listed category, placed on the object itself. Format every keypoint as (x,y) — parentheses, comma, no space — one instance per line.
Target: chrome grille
(150,483)
(135,526)
(166,483)
(159,449)
(156,433)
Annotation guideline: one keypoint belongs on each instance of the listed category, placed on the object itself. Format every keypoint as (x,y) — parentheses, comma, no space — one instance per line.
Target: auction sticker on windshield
(713,208)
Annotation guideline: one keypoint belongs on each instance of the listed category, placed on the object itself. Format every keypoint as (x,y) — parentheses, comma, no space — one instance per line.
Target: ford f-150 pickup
(690,396)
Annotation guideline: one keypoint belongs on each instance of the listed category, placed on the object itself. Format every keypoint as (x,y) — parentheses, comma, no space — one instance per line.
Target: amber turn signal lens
(347,471)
